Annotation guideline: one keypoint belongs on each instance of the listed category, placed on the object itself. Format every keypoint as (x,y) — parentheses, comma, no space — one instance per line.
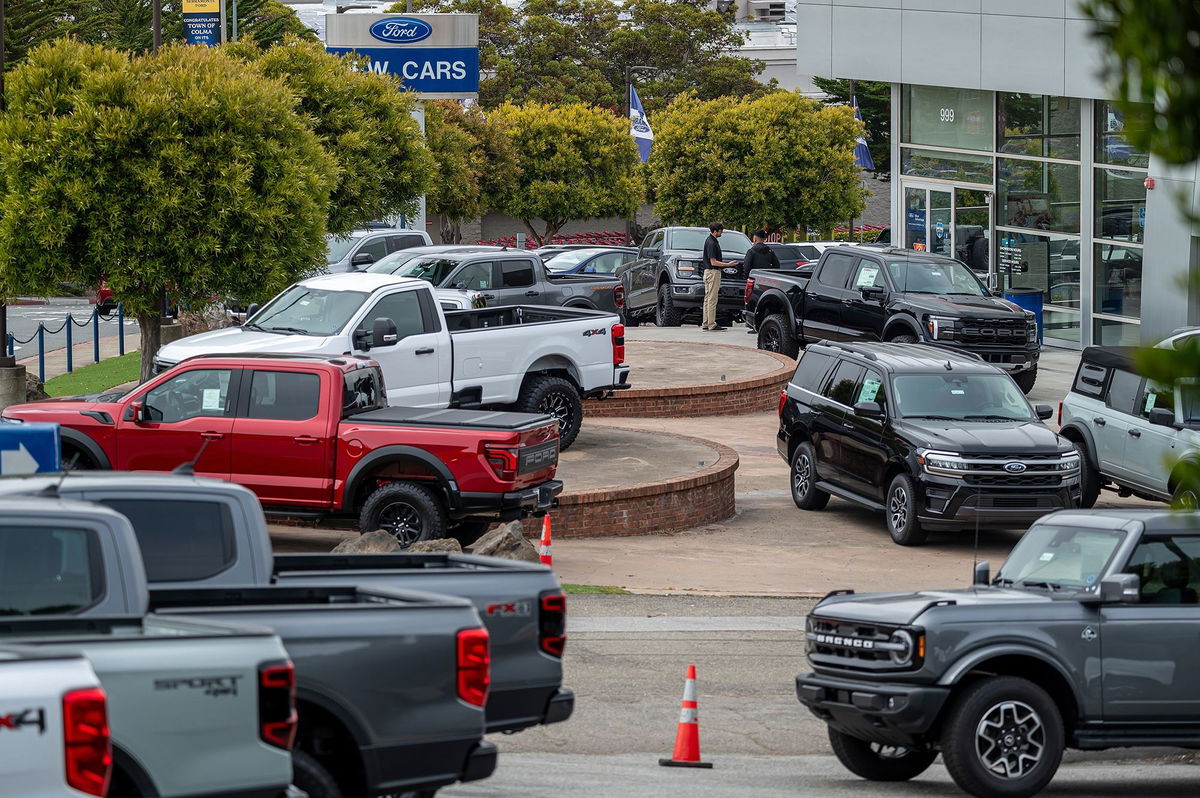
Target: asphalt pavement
(23,322)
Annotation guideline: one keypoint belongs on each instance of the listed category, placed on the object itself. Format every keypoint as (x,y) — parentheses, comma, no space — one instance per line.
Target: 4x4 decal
(16,721)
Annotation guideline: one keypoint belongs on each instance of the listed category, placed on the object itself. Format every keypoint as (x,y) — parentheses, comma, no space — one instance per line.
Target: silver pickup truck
(182,694)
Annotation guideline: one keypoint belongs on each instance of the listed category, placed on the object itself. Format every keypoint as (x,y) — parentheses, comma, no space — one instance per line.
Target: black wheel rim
(890,751)
(898,508)
(75,461)
(402,521)
(801,476)
(772,341)
(1010,739)
(559,406)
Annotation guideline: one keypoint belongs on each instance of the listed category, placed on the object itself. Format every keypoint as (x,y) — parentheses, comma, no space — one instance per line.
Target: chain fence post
(41,353)
(70,349)
(120,329)
(11,345)
(96,334)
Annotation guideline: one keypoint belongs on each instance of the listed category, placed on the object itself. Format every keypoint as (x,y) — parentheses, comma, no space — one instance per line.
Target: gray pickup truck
(358,734)
(197,532)
(220,693)
(1085,639)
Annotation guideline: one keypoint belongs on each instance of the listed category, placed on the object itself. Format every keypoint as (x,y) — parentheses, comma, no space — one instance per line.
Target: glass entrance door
(952,221)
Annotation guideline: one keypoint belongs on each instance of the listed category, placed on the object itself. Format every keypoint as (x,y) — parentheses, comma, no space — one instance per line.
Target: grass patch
(610,589)
(97,377)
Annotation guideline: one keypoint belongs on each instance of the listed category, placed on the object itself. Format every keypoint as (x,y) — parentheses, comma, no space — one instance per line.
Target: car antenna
(948,366)
(51,490)
(188,469)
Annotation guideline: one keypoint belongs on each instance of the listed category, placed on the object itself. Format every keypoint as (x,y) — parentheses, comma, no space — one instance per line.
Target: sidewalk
(81,355)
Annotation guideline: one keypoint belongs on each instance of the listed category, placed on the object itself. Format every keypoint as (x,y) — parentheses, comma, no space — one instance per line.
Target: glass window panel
(1118,275)
(1120,205)
(914,218)
(1062,326)
(940,223)
(944,117)
(972,228)
(946,165)
(1109,332)
(1111,144)
(1037,195)
(1048,263)
(1039,125)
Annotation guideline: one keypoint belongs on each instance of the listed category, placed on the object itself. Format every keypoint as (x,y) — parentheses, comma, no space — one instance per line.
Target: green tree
(28,23)
(186,173)
(781,159)
(364,121)
(875,105)
(577,162)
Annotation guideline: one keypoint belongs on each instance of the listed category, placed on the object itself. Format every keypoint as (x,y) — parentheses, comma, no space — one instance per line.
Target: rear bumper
(427,766)
(512,505)
(887,713)
(621,375)
(514,710)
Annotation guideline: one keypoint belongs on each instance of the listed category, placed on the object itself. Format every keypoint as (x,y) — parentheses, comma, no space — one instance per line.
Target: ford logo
(1014,468)
(401,30)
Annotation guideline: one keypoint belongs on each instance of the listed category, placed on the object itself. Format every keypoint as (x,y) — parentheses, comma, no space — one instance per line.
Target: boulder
(34,391)
(442,545)
(507,541)
(377,542)
(212,317)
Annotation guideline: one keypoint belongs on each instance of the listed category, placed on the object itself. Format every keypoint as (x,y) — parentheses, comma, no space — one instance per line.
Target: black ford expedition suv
(932,436)
(870,294)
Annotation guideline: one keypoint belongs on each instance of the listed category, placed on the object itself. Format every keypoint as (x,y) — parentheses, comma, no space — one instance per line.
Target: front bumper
(1011,358)
(691,295)
(945,502)
(512,505)
(883,712)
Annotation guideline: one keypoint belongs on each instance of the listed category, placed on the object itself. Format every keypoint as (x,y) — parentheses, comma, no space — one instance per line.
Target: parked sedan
(597,260)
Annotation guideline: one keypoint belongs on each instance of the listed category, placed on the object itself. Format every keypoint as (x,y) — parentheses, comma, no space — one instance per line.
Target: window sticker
(1047,556)
(869,390)
(957,391)
(1150,397)
(866,277)
(211,399)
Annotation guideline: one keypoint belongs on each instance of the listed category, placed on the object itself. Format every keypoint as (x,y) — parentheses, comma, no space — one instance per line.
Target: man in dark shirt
(759,256)
(711,265)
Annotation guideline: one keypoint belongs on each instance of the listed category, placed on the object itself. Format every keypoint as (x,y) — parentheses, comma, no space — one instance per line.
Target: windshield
(935,277)
(336,248)
(564,261)
(388,264)
(308,311)
(1059,557)
(732,242)
(960,397)
(431,268)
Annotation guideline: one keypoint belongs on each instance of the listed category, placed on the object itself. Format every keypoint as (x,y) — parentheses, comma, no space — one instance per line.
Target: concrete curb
(732,398)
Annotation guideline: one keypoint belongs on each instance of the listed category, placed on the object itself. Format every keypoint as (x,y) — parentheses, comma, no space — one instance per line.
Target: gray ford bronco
(1084,639)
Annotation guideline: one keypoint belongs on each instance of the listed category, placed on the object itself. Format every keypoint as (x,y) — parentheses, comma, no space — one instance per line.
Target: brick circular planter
(682,502)
(731,398)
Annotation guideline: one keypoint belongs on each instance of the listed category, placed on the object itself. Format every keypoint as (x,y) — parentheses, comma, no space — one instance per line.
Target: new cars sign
(435,55)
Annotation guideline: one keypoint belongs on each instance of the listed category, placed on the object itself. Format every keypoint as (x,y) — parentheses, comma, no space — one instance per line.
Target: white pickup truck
(534,359)
(54,739)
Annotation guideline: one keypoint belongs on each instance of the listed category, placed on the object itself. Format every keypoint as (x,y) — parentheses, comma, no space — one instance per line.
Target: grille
(848,642)
(1017,502)
(993,331)
(1032,470)
(1026,480)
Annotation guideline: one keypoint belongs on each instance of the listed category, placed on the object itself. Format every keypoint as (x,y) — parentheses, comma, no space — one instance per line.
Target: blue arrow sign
(29,449)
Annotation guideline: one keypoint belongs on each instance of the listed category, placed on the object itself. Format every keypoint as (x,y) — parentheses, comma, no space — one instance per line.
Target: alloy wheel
(898,507)
(801,475)
(772,341)
(559,407)
(1010,739)
(402,521)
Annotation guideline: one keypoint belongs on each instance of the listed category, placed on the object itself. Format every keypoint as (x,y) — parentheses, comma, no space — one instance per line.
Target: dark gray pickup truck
(1085,639)
(197,532)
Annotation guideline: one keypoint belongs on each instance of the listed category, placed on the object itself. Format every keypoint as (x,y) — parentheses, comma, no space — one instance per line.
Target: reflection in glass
(939,223)
(972,228)
(1038,195)
(1111,144)
(945,117)
(914,218)
(1120,205)
(1108,332)
(1118,276)
(1061,325)
(946,165)
(1039,125)
(1048,263)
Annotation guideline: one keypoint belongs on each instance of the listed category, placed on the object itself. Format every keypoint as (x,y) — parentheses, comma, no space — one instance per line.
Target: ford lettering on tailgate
(535,458)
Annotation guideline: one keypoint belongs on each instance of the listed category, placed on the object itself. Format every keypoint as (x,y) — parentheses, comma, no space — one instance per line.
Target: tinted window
(1090,379)
(960,397)
(181,541)
(404,309)
(284,395)
(44,570)
(788,253)
(809,253)
(405,242)
(872,389)
(811,370)
(363,390)
(653,242)
(835,270)
(376,247)
(199,392)
(1190,394)
(517,273)
(1124,391)
(842,386)
(474,277)
(1169,569)
(430,268)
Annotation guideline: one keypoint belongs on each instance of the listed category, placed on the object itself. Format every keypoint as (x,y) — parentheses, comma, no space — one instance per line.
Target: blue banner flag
(862,155)
(639,127)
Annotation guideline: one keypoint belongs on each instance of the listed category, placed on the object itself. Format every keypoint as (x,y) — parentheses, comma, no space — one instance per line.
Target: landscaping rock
(506,541)
(34,391)
(377,542)
(213,317)
(444,545)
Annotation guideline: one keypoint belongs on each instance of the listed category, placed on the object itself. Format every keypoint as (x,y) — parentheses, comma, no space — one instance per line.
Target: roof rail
(848,348)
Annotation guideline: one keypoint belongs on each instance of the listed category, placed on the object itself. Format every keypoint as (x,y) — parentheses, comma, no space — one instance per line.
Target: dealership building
(1008,153)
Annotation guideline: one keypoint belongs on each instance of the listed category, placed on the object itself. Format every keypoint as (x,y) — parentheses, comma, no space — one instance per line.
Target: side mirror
(362,259)
(998,293)
(982,574)
(652,253)
(251,310)
(868,410)
(135,412)
(873,292)
(1044,412)
(1162,417)
(383,333)
(1120,589)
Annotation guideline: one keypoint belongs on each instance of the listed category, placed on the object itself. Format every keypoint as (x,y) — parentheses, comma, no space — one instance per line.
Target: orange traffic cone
(544,549)
(687,737)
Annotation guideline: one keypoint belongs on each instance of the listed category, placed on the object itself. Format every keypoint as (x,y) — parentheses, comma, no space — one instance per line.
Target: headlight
(904,647)
(686,268)
(941,462)
(1069,463)
(941,328)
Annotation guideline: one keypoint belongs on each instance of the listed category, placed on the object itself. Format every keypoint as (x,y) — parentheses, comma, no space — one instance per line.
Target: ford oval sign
(1014,468)
(401,30)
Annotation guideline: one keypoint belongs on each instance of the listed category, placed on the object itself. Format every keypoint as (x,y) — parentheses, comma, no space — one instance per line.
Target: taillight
(618,344)
(749,291)
(503,459)
(619,296)
(86,740)
(1060,414)
(474,666)
(782,402)
(277,717)
(552,623)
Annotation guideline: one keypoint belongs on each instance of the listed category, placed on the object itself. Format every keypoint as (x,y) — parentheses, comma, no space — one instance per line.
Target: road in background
(23,323)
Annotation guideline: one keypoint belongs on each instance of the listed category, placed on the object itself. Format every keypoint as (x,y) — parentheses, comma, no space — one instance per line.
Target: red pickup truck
(314,435)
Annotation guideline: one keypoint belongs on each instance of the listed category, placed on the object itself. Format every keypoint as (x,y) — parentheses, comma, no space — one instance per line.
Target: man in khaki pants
(711,264)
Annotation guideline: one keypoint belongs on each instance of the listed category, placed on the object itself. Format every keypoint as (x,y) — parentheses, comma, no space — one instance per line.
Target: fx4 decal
(514,609)
(26,717)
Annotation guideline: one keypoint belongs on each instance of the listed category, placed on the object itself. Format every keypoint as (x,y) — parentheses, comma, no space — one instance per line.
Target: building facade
(1008,153)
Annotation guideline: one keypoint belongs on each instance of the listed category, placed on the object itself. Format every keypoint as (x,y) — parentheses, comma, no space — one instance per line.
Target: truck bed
(437,417)
(513,315)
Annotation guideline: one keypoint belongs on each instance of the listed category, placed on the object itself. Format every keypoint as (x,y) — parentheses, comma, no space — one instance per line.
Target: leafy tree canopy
(781,159)
(875,106)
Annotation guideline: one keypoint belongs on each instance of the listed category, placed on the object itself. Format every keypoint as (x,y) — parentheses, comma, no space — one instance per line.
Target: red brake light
(782,402)
(749,291)
(1060,414)
(618,344)
(474,666)
(86,740)
(552,624)
(503,459)
(277,716)
(619,296)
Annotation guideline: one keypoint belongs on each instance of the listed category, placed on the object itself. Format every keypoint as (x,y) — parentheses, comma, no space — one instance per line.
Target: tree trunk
(150,324)
(537,238)
(455,233)
(448,229)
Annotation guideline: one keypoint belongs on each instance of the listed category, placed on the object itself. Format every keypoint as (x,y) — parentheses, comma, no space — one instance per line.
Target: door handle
(847,425)
(489,296)
(847,302)
(211,436)
(531,293)
(426,351)
(1099,422)
(304,439)
(1135,433)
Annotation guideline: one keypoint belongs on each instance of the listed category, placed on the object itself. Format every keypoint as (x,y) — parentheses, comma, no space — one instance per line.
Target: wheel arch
(1185,464)
(406,461)
(902,324)
(127,765)
(580,303)
(553,366)
(1079,434)
(78,440)
(1026,663)
(770,303)
(318,714)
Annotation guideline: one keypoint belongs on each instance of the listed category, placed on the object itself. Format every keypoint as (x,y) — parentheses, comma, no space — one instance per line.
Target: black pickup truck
(887,294)
(665,282)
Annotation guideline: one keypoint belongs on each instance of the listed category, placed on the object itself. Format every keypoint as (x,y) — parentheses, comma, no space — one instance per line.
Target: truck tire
(805,492)
(310,776)
(74,458)
(666,314)
(1026,379)
(555,397)
(467,532)
(903,338)
(876,762)
(900,512)
(1003,738)
(407,511)
(775,335)
(1089,477)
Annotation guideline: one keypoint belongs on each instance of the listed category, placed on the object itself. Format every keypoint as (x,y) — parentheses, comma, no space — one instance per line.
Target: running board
(850,496)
